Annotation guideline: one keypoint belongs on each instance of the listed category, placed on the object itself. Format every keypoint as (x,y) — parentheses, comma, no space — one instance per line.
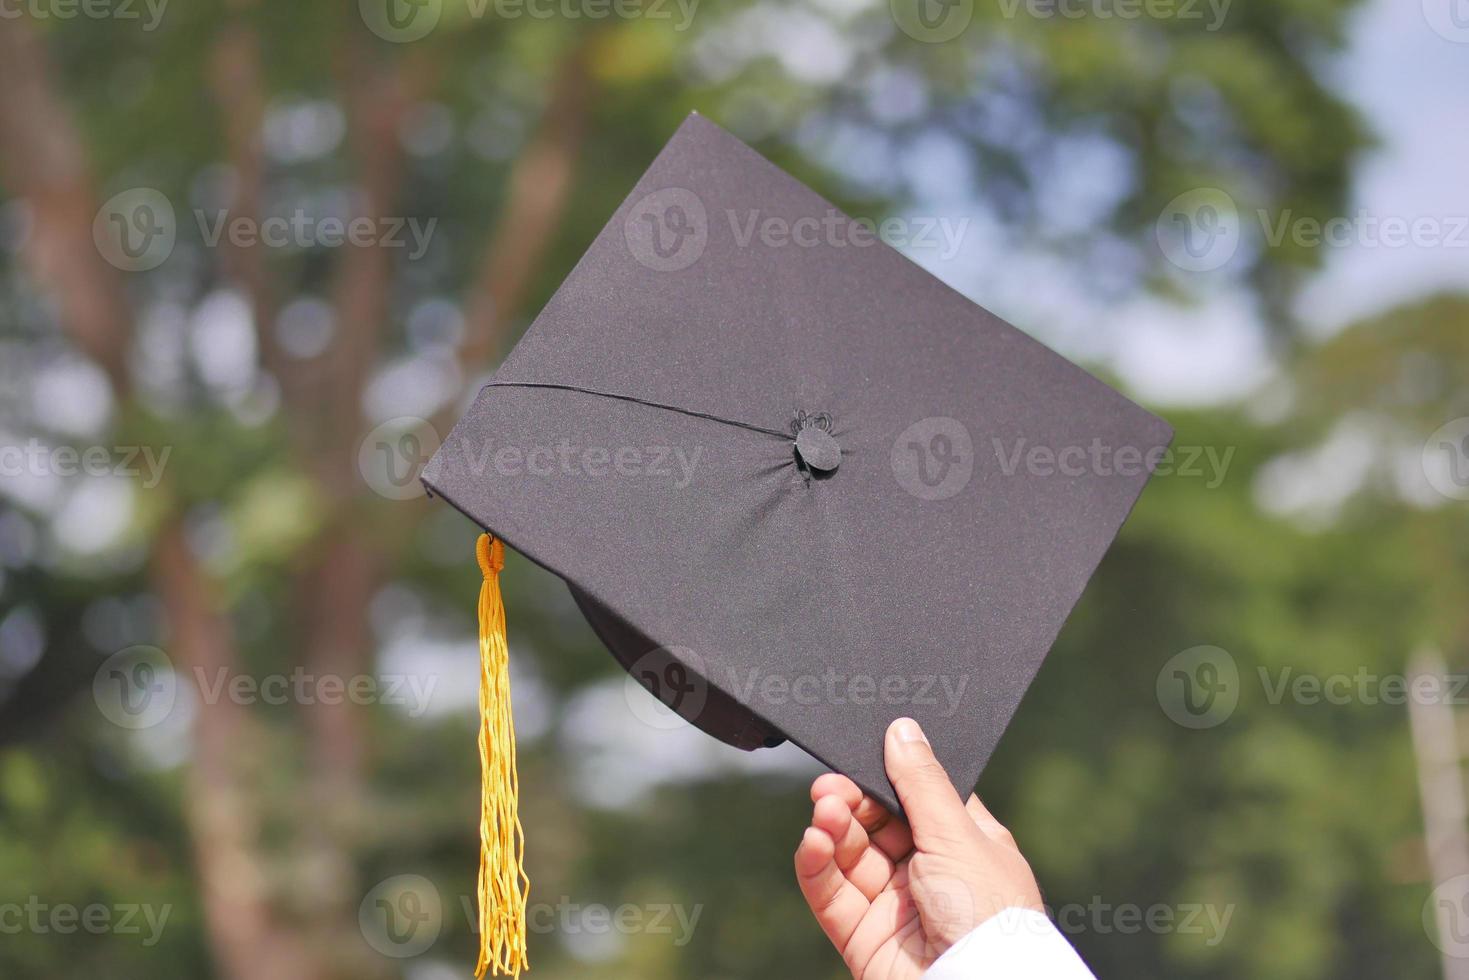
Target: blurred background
(255,254)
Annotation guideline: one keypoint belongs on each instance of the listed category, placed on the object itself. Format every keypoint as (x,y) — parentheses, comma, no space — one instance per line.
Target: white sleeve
(1016,944)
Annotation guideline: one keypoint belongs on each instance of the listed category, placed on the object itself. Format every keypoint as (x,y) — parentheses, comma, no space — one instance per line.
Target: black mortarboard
(798,486)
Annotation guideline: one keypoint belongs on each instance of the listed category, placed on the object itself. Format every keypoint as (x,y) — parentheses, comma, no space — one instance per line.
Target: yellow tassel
(503,885)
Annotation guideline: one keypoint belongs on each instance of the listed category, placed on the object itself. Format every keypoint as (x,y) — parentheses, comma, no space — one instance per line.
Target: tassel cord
(503,885)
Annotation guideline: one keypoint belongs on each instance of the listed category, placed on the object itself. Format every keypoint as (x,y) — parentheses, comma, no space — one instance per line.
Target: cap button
(818,449)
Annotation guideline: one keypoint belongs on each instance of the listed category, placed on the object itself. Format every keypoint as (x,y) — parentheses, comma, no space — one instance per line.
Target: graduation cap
(798,486)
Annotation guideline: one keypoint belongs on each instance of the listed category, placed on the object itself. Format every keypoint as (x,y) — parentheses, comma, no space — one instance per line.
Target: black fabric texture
(815,604)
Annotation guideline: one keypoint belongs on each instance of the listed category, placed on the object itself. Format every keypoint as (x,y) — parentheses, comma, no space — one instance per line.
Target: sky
(1406,68)
(1412,84)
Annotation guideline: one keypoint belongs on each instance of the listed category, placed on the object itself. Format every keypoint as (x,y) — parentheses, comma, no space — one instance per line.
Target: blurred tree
(1299,816)
(262,549)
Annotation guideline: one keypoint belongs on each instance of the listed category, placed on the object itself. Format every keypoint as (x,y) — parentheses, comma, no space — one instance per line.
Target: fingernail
(907,730)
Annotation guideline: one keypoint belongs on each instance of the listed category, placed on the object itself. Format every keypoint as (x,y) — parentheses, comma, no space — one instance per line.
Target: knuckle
(943,839)
(874,819)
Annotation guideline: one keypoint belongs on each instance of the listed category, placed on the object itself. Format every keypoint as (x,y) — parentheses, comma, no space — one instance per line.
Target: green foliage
(1298,821)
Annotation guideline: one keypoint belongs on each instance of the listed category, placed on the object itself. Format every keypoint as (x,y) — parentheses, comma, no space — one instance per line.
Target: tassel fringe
(503,885)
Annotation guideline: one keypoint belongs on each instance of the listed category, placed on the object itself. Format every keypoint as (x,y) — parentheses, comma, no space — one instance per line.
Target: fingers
(866,867)
(874,817)
(888,833)
(835,901)
(835,784)
(892,918)
(934,809)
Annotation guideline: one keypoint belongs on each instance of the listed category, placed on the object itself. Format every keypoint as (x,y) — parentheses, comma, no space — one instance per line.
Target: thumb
(929,799)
